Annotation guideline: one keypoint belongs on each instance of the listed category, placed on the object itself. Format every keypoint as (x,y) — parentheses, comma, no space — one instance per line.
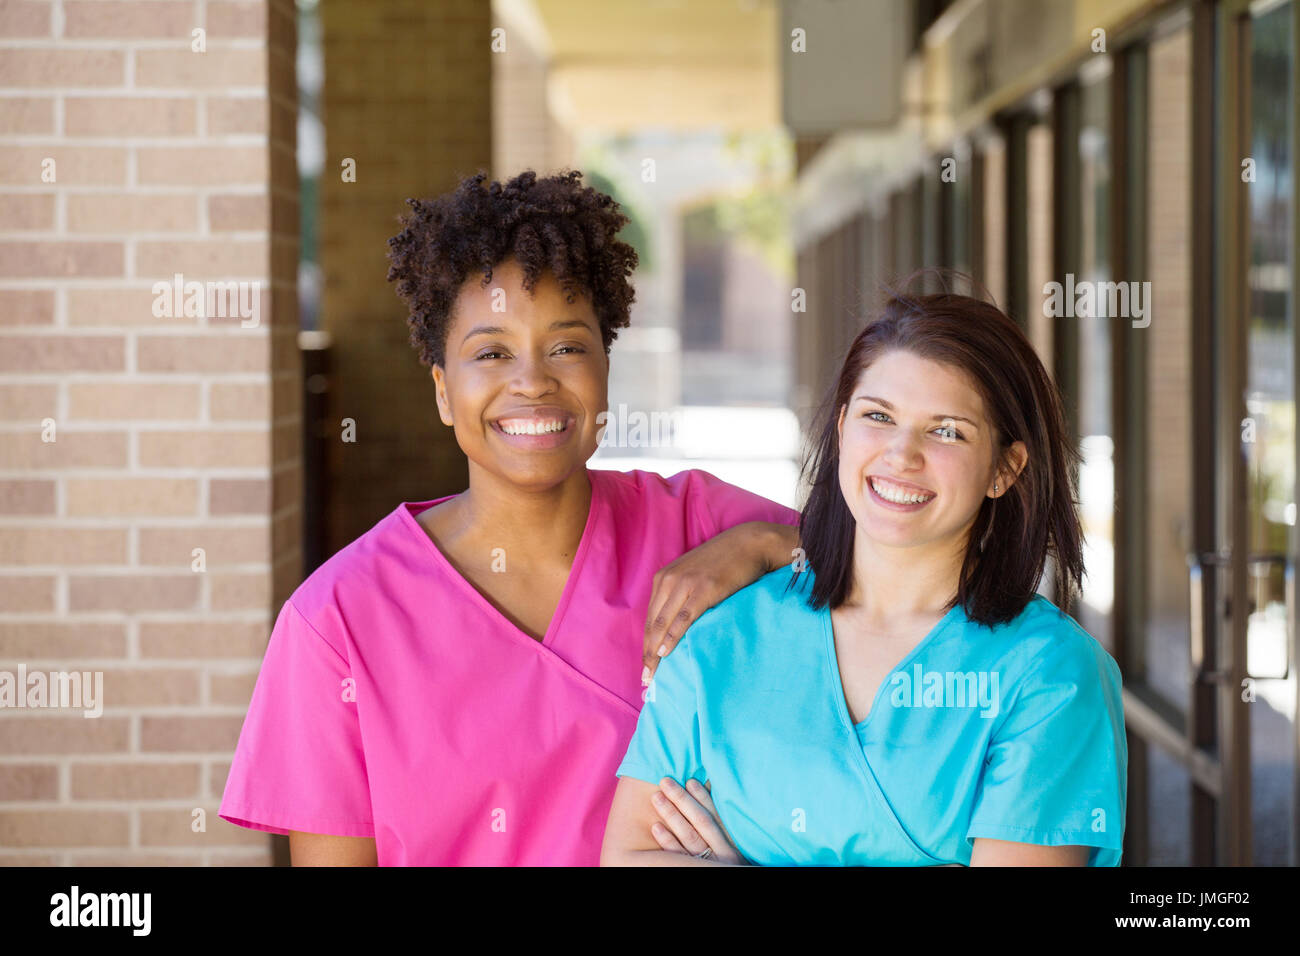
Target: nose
(531,377)
(904,451)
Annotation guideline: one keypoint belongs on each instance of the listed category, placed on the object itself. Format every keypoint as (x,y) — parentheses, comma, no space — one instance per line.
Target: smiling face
(917,453)
(523,387)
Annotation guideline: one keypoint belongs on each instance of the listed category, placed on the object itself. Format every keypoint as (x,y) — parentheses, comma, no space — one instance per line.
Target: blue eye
(870,414)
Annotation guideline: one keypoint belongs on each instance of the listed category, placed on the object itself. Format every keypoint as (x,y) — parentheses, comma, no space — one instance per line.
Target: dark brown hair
(1012,534)
(549,223)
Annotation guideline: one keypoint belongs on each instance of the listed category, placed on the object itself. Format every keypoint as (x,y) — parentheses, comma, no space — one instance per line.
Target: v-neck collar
(875,791)
(837,682)
(548,639)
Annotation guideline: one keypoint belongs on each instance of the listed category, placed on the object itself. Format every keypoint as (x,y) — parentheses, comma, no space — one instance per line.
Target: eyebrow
(501,330)
(937,418)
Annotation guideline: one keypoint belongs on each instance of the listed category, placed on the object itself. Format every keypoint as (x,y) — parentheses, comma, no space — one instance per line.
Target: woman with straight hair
(900,695)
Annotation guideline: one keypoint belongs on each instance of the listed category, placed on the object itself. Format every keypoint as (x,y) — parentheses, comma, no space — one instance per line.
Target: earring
(995,487)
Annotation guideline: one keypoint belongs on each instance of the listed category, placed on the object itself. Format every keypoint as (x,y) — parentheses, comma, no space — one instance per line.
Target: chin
(540,477)
(891,539)
(888,533)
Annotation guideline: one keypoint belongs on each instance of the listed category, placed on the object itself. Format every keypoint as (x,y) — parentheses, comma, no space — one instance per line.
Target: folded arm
(631,838)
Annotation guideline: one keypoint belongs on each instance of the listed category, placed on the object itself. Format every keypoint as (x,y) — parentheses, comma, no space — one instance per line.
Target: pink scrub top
(396,702)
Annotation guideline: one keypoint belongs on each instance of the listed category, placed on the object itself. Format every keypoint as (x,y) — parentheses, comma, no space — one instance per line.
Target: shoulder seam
(324,640)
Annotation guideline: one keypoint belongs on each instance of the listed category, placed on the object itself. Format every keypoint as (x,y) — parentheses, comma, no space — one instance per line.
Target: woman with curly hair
(457,685)
(907,699)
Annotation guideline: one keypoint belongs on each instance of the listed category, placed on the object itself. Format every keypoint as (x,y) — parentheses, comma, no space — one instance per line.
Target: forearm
(774,543)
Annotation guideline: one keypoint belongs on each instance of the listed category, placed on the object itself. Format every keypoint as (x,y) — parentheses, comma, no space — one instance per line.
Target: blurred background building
(780,161)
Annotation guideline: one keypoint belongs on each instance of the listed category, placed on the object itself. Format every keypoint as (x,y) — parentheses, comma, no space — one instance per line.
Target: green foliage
(634,233)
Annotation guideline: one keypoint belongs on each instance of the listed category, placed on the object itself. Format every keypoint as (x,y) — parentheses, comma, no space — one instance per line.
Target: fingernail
(663,650)
(645,676)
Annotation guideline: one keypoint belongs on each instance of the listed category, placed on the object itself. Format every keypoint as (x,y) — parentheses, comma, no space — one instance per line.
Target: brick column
(149,462)
(408,97)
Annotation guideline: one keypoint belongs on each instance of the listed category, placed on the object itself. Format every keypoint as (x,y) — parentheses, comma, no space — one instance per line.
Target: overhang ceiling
(631,64)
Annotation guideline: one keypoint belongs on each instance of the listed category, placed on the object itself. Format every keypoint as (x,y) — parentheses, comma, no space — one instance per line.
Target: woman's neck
(533,526)
(898,584)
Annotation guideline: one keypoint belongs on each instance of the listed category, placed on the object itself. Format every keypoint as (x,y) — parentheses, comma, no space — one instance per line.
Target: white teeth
(891,493)
(532,428)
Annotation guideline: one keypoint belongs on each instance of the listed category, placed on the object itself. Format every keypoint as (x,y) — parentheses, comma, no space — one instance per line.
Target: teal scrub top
(1014,732)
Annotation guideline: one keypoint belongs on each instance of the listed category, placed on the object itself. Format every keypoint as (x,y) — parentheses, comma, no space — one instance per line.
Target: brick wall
(408,97)
(170,433)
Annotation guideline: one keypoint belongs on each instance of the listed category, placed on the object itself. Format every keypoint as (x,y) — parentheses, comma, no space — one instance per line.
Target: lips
(537,428)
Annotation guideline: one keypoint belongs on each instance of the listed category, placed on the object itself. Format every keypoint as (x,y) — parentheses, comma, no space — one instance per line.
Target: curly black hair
(551,223)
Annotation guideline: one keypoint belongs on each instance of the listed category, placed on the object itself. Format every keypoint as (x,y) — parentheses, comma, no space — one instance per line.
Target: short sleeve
(299,764)
(1055,773)
(666,742)
(715,505)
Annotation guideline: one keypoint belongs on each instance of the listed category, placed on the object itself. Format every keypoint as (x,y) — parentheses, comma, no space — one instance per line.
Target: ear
(839,426)
(1017,456)
(440,394)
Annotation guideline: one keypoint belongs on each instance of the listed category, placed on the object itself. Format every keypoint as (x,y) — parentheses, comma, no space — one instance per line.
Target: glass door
(1203,130)
(1254,624)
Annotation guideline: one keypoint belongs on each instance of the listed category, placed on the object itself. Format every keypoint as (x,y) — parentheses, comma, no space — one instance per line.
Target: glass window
(1097,473)
(931,195)
(1269,431)
(1168,810)
(958,194)
(904,213)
